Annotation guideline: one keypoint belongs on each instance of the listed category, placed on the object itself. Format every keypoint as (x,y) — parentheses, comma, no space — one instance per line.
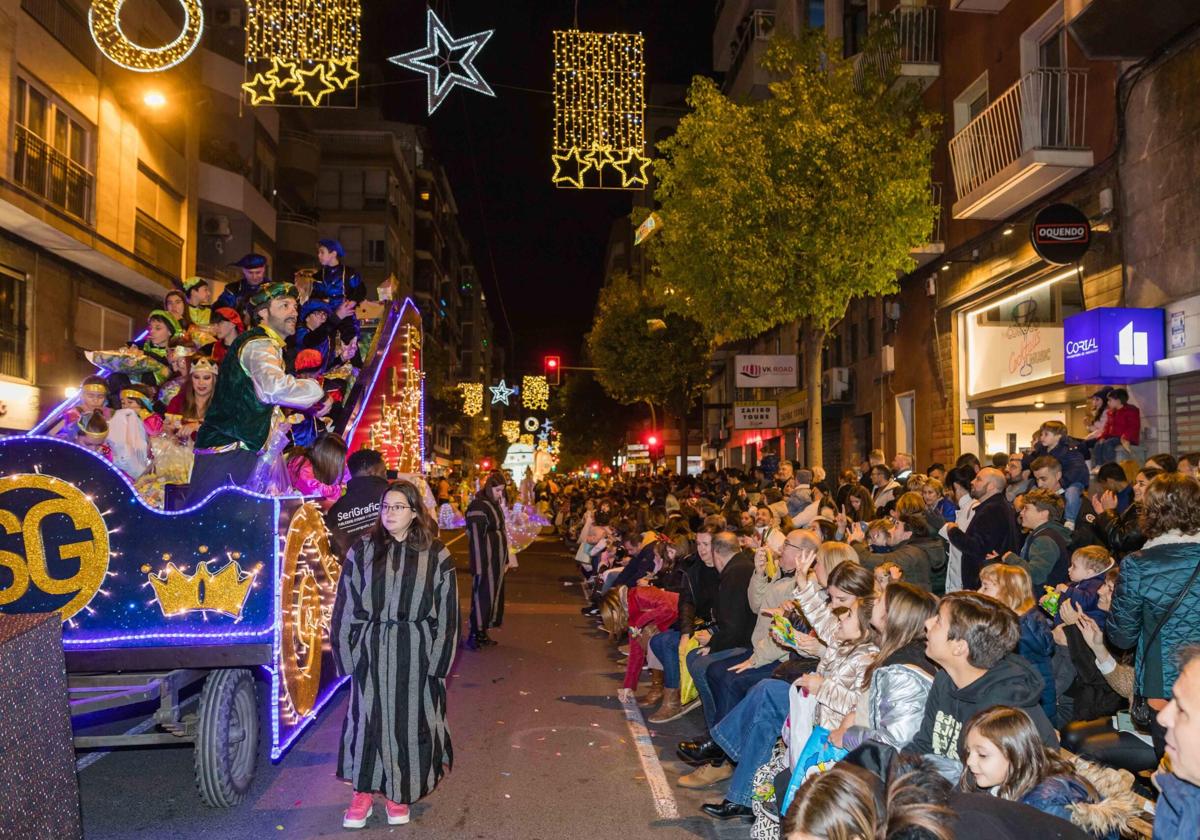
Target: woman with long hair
(487,543)
(186,411)
(394,632)
(320,469)
(1012,586)
(899,679)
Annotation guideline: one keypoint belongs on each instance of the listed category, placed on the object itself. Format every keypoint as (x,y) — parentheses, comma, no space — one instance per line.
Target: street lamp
(154,99)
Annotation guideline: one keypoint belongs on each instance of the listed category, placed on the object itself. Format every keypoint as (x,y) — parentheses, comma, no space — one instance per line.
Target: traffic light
(552,368)
(653,447)
(486,464)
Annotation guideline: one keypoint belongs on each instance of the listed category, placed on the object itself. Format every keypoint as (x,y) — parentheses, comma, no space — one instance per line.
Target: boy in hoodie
(1054,442)
(972,637)
(1045,552)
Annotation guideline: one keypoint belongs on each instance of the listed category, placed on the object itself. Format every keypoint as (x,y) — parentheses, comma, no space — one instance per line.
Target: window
(262,169)
(157,200)
(13,327)
(159,217)
(98,326)
(970,103)
(51,151)
(376,252)
(352,241)
(352,189)
(854,341)
(814,14)
(375,189)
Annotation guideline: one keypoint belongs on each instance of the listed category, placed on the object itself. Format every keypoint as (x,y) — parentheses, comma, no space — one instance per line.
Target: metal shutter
(1185,413)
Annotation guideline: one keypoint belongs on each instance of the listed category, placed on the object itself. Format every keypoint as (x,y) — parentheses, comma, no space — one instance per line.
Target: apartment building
(99,197)
(1028,119)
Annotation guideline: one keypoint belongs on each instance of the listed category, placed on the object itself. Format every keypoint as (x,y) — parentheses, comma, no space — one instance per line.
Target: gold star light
(309,48)
(343,72)
(312,85)
(261,88)
(581,167)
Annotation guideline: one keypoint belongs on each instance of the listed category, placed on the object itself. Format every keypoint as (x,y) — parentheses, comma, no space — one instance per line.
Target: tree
(590,423)
(646,354)
(788,208)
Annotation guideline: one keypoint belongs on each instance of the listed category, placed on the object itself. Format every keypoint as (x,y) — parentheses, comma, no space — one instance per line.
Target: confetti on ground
(591,743)
(505,773)
(525,693)
(558,754)
(508,796)
(537,710)
(596,725)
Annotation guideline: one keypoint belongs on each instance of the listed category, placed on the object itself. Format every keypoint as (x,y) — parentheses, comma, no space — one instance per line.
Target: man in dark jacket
(972,637)
(353,515)
(1054,441)
(730,642)
(993,528)
(919,553)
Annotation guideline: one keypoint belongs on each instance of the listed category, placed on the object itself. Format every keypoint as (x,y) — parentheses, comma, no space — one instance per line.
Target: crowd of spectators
(1005,646)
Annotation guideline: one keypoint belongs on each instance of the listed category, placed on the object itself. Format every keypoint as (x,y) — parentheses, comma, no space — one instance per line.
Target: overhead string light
(599,111)
(302,52)
(535,395)
(104,22)
(472,394)
(446,61)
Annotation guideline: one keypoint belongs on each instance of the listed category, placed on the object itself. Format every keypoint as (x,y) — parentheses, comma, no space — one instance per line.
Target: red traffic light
(486,464)
(652,440)
(552,368)
(595,465)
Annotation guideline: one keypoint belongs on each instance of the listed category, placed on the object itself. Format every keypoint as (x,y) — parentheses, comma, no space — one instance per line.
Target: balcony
(45,171)
(989,7)
(68,26)
(905,48)
(936,246)
(747,52)
(1027,143)
(299,153)
(295,234)
(233,191)
(157,245)
(1119,30)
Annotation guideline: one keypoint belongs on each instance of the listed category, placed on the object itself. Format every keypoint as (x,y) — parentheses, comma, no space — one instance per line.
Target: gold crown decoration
(203,363)
(224,592)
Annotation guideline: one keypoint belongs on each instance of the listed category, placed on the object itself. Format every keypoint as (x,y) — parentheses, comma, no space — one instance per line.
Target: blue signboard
(1112,346)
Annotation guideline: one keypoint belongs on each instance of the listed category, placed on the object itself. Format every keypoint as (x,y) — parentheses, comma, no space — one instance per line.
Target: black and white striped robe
(488,545)
(395,629)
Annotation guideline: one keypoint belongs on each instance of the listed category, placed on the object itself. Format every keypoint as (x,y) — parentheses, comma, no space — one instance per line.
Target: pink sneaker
(397,814)
(359,811)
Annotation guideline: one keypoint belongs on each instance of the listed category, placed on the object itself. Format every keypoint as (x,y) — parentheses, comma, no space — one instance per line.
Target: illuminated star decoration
(501,393)
(302,52)
(443,71)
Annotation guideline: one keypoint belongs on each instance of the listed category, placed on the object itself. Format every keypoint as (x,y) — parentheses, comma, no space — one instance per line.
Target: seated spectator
(1005,757)
(972,637)
(356,511)
(899,679)
(1178,810)
(1054,442)
(902,797)
(1156,605)
(320,469)
(879,536)
(1088,572)
(1010,586)
(1122,428)
(919,553)
(1044,554)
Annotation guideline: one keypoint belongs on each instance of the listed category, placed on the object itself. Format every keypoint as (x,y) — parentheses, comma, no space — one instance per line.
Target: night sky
(548,244)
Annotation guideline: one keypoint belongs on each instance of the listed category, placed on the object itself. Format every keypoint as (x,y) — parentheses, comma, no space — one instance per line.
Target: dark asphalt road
(542,749)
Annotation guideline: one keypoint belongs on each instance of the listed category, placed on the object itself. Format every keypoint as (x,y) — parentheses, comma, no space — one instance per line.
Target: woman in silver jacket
(901,676)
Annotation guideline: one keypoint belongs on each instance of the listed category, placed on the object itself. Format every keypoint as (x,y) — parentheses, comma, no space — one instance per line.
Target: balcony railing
(757,26)
(47,172)
(907,36)
(1044,110)
(68,27)
(157,245)
(935,188)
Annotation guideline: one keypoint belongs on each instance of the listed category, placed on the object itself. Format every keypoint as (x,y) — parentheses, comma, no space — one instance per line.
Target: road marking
(456,539)
(664,799)
(91,758)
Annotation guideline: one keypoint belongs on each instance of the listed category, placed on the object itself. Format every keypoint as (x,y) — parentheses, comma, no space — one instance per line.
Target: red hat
(229,314)
(309,359)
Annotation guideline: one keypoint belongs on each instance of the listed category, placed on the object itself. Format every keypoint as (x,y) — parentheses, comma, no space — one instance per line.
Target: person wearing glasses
(487,543)
(394,631)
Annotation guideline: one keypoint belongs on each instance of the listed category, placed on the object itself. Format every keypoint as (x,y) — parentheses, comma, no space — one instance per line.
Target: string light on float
(599,111)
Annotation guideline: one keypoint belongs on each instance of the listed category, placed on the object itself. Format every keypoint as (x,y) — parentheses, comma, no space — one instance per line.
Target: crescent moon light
(104,21)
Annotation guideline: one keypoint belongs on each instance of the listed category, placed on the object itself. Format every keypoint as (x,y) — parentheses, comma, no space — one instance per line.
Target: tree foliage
(643,352)
(789,207)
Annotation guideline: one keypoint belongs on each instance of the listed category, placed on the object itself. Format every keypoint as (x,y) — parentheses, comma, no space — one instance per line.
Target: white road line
(456,539)
(91,758)
(660,789)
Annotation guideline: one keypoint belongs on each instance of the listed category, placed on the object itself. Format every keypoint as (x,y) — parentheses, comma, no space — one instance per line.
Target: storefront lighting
(945,266)
(1039,404)
(154,99)
(1008,231)
(1024,293)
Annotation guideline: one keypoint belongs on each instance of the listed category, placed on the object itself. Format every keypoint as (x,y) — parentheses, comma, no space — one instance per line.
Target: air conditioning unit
(835,385)
(215,224)
(229,18)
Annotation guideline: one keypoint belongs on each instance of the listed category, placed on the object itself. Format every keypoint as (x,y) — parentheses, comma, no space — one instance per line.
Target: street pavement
(543,748)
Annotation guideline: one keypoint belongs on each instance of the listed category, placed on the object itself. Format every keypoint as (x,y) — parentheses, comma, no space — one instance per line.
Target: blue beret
(251,261)
(333,245)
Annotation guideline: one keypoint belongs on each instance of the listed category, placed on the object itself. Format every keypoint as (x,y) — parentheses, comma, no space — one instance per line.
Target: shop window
(98,326)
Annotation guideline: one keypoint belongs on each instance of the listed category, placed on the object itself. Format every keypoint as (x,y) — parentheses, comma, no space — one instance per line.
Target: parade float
(155,603)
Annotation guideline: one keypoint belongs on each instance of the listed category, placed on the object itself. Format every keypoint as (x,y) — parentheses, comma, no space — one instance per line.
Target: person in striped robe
(488,545)
(395,630)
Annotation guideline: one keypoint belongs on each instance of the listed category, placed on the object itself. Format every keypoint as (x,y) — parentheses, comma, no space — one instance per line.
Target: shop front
(1012,362)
